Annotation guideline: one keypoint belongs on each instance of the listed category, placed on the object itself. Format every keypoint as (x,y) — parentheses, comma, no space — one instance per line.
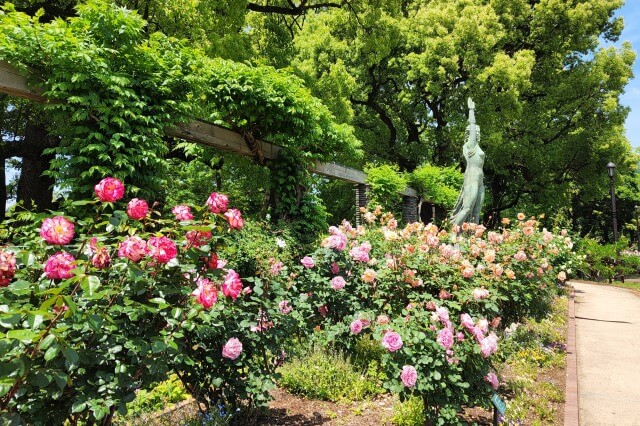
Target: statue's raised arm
(473,130)
(469,204)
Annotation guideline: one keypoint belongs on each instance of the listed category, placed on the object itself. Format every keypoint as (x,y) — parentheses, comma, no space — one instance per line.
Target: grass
(329,377)
(627,284)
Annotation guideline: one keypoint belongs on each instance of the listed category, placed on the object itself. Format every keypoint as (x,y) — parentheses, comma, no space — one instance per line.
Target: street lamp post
(638,225)
(611,170)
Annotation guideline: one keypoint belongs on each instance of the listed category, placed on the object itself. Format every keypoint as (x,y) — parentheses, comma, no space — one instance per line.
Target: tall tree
(547,93)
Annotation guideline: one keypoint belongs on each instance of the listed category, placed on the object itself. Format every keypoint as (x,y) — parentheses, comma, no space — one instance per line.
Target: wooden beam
(219,137)
(14,82)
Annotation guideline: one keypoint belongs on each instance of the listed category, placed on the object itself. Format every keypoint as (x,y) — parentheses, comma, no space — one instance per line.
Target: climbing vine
(114,89)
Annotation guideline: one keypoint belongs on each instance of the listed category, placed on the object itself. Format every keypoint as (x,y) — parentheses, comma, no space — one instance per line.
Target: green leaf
(9,321)
(51,352)
(158,346)
(90,284)
(25,336)
(47,341)
(72,358)
(78,406)
(5,385)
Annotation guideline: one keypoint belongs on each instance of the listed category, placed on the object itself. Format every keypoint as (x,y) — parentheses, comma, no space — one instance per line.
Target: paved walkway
(608,354)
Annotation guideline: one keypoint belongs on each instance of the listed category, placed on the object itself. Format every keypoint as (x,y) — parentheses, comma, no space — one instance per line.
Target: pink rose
(137,209)
(232,349)
(445,338)
(467,322)
(356,326)
(307,262)
(520,256)
(337,240)
(7,267)
(59,266)
(361,253)
(276,267)
(284,306)
(369,275)
(382,319)
(468,272)
(109,189)
(335,268)
(234,218)
(232,285)
(443,314)
(460,336)
(492,379)
(338,283)
(323,310)
(392,341)
(489,345)
(182,212)
(206,294)
(133,248)
(480,293)
(162,249)
(483,325)
(478,334)
(57,230)
(197,238)
(217,203)
(101,258)
(409,376)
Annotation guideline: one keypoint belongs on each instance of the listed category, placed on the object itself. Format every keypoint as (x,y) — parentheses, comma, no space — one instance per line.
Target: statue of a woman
(469,203)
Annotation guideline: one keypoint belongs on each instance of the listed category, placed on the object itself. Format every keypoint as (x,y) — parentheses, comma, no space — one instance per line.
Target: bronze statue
(469,203)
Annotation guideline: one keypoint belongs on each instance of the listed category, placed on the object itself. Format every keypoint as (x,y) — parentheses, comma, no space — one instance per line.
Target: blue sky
(631,98)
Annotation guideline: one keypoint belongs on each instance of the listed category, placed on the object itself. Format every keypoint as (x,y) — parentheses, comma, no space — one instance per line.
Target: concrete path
(608,352)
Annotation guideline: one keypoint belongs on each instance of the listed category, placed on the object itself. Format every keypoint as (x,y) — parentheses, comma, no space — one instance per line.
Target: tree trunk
(35,190)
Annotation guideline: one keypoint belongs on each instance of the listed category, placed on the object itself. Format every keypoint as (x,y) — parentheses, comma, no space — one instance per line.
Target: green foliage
(385,183)
(255,247)
(605,261)
(78,348)
(378,281)
(547,91)
(329,377)
(439,185)
(409,412)
(117,88)
(296,201)
(156,399)
(113,90)
(530,350)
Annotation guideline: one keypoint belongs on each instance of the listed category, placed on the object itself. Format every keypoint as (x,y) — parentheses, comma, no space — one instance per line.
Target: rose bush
(93,309)
(434,299)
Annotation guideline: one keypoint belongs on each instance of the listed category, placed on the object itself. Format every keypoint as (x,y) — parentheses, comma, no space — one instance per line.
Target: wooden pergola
(14,82)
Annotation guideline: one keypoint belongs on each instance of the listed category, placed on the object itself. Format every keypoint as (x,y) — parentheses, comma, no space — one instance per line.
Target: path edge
(571,411)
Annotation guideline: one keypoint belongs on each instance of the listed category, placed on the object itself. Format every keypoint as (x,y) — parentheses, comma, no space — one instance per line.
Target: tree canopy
(547,92)
(398,72)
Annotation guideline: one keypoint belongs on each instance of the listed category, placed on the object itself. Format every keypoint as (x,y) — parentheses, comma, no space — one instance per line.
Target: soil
(288,409)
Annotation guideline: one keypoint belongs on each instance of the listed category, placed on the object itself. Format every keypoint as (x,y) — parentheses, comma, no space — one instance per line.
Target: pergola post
(409,209)
(361,190)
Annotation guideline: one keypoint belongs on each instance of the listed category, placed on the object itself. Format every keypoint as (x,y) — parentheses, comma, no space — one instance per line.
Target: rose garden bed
(102,306)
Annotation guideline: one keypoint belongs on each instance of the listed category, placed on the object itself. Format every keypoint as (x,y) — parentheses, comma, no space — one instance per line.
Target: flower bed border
(571,389)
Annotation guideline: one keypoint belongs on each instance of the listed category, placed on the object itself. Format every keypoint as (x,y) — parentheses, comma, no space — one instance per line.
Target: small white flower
(281,243)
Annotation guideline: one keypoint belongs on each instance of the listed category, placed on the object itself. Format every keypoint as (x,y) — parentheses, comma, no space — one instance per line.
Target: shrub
(329,377)
(431,298)
(95,309)
(440,185)
(385,182)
